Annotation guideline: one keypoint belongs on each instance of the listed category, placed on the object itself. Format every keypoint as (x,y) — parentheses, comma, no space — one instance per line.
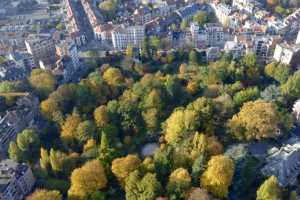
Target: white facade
(124,36)
(235,49)
(286,54)
(298,38)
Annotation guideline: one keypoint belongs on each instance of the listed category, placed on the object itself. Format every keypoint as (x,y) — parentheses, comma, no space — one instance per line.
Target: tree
(57,160)
(129,51)
(141,187)
(293,195)
(26,147)
(101,116)
(69,127)
(122,167)
(42,194)
(184,24)
(245,95)
(201,18)
(269,190)
(272,3)
(256,120)
(193,57)
(113,76)
(87,179)
(291,88)
(179,183)
(106,153)
(42,81)
(279,72)
(218,176)
(44,159)
(154,42)
(85,130)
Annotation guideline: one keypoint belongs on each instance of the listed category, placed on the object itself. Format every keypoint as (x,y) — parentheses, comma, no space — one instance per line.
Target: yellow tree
(256,120)
(68,129)
(121,167)
(101,116)
(86,180)
(113,76)
(218,176)
(269,190)
(49,107)
(42,81)
(45,195)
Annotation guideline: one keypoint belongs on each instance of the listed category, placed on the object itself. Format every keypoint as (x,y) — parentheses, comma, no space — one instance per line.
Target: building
(223,12)
(298,39)
(212,34)
(212,54)
(284,162)
(22,59)
(245,5)
(236,50)
(132,35)
(187,12)
(16,180)
(142,15)
(11,71)
(287,54)
(16,119)
(42,48)
(262,47)
(69,49)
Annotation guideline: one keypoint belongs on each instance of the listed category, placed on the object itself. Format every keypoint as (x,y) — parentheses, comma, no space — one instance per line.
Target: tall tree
(42,81)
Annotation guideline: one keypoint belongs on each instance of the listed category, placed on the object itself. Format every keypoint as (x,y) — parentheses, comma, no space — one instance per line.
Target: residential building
(223,12)
(132,35)
(42,48)
(211,34)
(16,180)
(244,5)
(212,54)
(237,50)
(69,49)
(262,47)
(22,59)
(16,119)
(284,162)
(11,71)
(142,15)
(187,12)
(287,54)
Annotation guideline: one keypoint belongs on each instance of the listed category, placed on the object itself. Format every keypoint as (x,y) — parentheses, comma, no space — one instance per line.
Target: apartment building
(132,35)
(42,48)
(287,54)
(211,34)
(16,180)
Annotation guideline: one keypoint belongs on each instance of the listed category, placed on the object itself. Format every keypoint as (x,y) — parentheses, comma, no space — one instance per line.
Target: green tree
(85,130)
(193,57)
(184,24)
(201,18)
(269,190)
(26,147)
(129,51)
(179,183)
(141,187)
(291,88)
(245,95)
